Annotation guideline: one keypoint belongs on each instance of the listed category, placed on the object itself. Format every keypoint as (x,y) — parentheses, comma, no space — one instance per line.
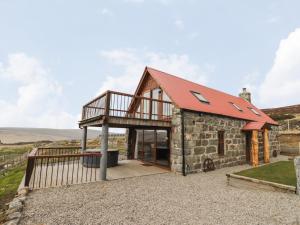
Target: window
(221,142)
(254,111)
(156,93)
(236,106)
(156,106)
(166,97)
(200,97)
(145,105)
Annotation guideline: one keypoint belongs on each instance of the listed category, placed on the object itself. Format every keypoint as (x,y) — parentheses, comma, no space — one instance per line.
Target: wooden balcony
(125,110)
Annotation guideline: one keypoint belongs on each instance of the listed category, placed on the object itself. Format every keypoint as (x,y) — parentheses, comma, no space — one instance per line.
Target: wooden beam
(254,148)
(155,144)
(266,146)
(107,103)
(131,143)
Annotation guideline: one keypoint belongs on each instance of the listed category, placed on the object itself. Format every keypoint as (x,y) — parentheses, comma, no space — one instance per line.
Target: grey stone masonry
(201,141)
(297,168)
(176,150)
(274,140)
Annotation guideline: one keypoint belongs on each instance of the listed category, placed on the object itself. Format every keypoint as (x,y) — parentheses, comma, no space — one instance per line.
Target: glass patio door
(146,149)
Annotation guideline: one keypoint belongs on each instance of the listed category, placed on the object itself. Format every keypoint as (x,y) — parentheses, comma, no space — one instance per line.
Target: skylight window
(200,97)
(254,111)
(236,106)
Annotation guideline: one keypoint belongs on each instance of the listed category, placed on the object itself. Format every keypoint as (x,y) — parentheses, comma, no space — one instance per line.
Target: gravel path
(161,199)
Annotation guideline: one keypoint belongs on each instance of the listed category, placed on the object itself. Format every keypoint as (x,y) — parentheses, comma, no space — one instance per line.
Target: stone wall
(176,150)
(201,141)
(289,143)
(274,140)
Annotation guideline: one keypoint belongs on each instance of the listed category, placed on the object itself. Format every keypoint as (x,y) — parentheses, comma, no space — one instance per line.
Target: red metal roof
(254,126)
(180,92)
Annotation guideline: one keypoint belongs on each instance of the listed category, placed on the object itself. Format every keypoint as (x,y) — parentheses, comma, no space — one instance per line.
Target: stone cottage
(182,125)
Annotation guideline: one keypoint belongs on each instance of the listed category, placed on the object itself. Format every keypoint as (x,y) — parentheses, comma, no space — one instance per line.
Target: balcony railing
(58,166)
(123,105)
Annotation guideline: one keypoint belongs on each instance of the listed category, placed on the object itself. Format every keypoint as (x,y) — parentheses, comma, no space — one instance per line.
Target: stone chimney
(245,95)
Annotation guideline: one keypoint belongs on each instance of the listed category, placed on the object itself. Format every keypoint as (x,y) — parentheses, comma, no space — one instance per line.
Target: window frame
(236,106)
(221,144)
(203,100)
(254,111)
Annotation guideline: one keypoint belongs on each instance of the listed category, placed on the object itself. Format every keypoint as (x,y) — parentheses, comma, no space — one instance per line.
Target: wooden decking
(125,111)
(62,176)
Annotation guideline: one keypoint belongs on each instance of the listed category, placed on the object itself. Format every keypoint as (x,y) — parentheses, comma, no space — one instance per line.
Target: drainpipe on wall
(182,142)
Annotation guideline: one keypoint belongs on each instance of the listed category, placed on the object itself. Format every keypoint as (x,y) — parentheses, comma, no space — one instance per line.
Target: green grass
(9,183)
(9,150)
(282,172)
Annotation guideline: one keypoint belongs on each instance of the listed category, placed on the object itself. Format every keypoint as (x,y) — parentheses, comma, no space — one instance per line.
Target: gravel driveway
(202,198)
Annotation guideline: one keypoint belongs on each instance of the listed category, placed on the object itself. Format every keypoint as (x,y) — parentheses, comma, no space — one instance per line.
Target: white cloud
(38,102)
(281,85)
(132,63)
(179,24)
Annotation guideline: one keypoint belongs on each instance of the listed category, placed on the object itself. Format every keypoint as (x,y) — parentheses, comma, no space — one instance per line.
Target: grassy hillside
(15,135)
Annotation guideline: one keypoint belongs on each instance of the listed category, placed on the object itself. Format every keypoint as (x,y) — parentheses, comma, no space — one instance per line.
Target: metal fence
(50,167)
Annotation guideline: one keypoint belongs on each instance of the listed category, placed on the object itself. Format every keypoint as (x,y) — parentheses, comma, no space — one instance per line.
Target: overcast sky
(56,55)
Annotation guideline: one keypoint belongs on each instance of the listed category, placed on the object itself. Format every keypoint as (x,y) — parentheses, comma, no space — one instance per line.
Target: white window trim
(254,111)
(236,106)
(202,99)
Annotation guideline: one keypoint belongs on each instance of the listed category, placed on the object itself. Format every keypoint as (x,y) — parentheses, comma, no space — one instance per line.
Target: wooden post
(266,146)
(254,148)
(83,113)
(129,143)
(155,146)
(29,170)
(104,148)
(136,148)
(107,104)
(131,138)
(150,106)
(30,166)
(143,147)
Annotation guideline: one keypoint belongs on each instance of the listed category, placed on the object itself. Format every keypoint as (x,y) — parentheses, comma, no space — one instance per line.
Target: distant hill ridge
(286,109)
(14,134)
(288,117)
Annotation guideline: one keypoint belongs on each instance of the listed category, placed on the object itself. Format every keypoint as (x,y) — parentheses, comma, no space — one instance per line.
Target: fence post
(107,103)
(29,170)
(150,108)
(83,113)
